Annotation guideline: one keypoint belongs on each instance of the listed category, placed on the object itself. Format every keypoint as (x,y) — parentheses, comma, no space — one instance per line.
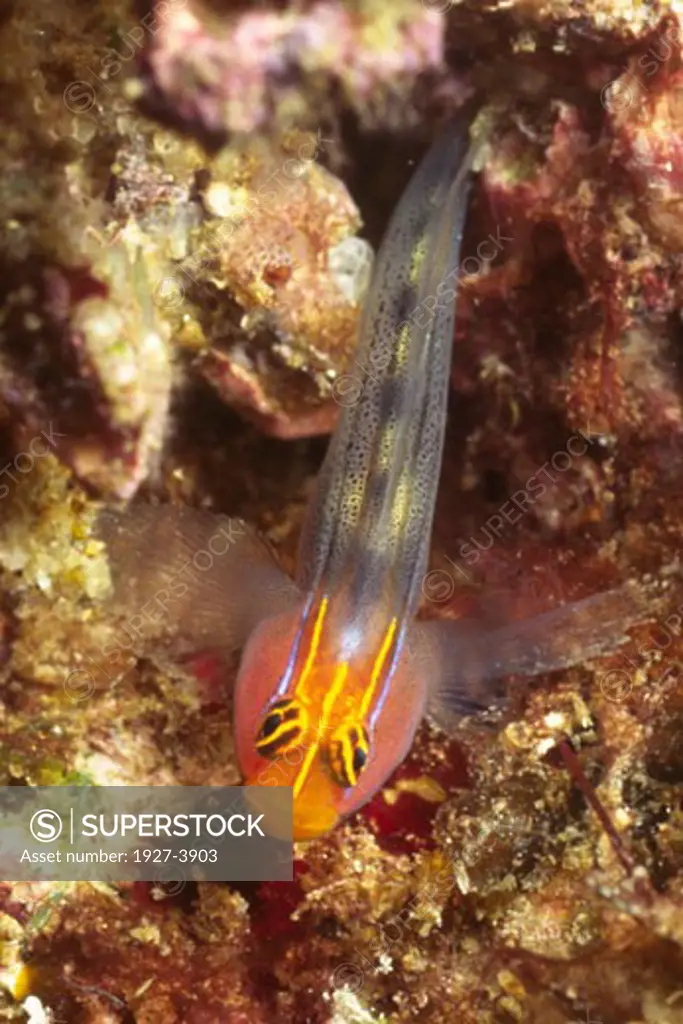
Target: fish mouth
(308,825)
(295,821)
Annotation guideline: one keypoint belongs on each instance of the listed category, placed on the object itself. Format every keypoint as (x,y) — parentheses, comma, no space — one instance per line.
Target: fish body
(344,702)
(336,674)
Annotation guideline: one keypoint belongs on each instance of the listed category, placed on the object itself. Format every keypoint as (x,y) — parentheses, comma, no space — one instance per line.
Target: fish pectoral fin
(204,579)
(467,662)
(451,659)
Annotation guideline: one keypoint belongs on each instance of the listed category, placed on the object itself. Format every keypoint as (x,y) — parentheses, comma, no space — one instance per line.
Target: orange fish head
(318,738)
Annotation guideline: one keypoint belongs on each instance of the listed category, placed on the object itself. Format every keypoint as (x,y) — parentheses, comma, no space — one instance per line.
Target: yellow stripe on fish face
(377,668)
(282,729)
(348,754)
(315,644)
(328,705)
(341,748)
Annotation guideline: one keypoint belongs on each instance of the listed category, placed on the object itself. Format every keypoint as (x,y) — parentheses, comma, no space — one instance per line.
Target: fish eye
(282,728)
(348,753)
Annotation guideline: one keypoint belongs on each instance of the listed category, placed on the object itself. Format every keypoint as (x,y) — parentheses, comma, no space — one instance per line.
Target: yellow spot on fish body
(417,261)
(403,346)
(401,508)
(385,456)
